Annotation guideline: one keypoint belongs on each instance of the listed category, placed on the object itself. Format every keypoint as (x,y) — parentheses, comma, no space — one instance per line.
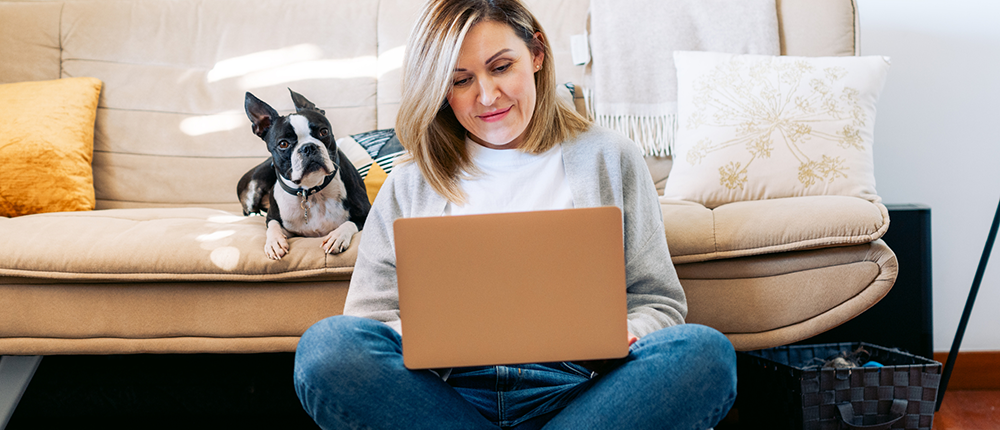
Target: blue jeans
(349,373)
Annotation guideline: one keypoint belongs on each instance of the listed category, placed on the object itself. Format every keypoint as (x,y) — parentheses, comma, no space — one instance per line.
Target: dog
(308,187)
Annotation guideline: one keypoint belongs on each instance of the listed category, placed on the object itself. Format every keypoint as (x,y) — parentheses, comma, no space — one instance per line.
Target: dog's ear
(261,114)
(301,103)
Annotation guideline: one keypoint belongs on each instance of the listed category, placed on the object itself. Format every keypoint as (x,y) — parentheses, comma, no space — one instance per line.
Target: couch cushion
(770,300)
(159,245)
(818,28)
(56,317)
(46,145)
(696,233)
(30,35)
(171,129)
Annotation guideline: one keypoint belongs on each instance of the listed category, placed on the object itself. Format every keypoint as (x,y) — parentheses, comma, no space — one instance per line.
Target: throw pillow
(46,145)
(754,127)
(374,154)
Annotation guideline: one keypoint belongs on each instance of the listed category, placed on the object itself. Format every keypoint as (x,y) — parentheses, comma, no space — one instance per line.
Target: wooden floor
(961,410)
(969,410)
(972,401)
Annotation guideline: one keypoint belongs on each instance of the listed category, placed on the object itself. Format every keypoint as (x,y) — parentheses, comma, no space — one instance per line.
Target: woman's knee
(702,351)
(713,353)
(717,351)
(341,344)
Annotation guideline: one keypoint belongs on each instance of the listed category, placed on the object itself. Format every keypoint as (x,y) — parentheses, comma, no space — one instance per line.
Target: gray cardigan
(603,168)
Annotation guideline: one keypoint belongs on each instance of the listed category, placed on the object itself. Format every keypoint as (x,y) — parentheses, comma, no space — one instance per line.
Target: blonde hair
(426,125)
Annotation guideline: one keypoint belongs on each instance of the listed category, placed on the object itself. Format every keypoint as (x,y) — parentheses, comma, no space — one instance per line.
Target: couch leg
(15,374)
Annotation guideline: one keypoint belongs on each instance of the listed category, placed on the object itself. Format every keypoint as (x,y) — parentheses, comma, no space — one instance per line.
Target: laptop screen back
(510,288)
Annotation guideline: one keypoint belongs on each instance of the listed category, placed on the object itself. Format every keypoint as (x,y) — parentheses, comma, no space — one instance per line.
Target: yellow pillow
(46,145)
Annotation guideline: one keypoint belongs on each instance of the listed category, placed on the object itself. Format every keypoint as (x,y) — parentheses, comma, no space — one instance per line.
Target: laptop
(512,288)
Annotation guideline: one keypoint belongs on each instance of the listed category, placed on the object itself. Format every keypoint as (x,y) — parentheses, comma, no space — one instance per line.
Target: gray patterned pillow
(374,154)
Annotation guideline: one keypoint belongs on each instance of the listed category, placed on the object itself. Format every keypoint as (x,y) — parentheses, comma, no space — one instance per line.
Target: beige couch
(167,264)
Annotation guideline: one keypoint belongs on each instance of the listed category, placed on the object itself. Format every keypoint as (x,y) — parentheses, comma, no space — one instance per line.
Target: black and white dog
(308,187)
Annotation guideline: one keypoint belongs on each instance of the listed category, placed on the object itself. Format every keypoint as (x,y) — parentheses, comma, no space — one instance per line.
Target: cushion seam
(789,272)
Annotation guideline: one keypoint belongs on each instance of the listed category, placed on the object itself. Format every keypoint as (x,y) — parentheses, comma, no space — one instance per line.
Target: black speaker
(902,319)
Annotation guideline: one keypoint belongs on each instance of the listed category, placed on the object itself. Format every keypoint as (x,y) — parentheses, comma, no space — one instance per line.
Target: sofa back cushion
(30,35)
(170,129)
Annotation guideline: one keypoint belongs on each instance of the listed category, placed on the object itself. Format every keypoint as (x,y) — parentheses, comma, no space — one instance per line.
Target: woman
(487,133)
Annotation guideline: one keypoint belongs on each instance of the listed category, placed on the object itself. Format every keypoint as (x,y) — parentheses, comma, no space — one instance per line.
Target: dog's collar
(306,192)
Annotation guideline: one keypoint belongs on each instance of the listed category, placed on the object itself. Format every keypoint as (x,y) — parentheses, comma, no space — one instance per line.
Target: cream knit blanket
(634,83)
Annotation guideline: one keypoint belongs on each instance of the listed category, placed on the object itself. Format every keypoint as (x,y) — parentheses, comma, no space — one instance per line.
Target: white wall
(937,142)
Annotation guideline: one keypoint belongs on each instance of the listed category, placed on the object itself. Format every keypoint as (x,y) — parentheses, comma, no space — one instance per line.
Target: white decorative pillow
(753,127)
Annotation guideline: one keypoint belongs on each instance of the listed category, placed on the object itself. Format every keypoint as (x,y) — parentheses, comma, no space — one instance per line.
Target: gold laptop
(510,288)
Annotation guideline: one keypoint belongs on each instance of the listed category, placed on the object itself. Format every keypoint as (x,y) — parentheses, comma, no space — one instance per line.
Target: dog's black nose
(308,150)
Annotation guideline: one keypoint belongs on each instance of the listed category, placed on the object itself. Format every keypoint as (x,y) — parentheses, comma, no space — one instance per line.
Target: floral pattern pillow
(754,127)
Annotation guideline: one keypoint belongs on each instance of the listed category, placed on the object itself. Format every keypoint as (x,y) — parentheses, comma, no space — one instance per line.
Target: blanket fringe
(653,134)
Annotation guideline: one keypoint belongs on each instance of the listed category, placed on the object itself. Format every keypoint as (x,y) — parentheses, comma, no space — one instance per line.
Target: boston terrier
(308,187)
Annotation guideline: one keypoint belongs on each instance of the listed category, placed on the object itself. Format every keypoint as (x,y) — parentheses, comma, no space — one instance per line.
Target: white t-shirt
(513,181)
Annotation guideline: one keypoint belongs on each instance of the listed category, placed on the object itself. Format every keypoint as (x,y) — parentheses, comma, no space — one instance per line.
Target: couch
(166,263)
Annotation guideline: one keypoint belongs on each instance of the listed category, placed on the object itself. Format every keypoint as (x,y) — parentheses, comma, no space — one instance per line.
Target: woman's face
(493,86)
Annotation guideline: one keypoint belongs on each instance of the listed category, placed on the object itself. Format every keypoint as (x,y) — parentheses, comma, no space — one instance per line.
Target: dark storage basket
(783,388)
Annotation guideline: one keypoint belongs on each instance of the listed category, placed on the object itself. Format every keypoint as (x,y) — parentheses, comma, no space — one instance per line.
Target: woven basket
(784,388)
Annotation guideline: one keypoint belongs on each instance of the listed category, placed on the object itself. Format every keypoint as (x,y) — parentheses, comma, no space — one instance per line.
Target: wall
(937,142)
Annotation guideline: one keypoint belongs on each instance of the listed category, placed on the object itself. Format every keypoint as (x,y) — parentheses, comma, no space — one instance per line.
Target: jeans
(349,373)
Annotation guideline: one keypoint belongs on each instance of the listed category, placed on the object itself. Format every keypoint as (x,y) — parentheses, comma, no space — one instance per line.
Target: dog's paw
(340,238)
(276,247)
